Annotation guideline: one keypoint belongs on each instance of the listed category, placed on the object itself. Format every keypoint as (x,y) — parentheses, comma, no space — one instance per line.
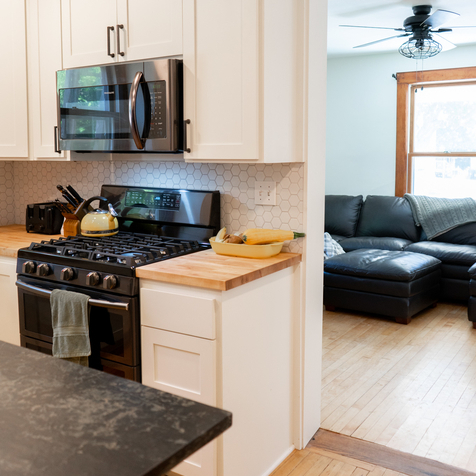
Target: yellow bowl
(246,251)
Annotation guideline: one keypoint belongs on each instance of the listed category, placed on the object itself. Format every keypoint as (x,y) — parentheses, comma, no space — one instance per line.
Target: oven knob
(28,267)
(93,279)
(43,270)
(110,282)
(67,274)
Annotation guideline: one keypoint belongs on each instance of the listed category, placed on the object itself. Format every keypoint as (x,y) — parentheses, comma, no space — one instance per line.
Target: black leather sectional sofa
(390,267)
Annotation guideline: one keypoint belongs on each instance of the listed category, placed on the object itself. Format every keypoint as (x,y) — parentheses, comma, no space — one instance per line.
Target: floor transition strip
(383,456)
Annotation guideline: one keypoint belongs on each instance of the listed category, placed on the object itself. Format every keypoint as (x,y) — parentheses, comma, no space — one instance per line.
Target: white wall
(361,124)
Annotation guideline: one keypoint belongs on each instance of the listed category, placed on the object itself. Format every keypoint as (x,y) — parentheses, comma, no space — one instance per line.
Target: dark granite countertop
(58,418)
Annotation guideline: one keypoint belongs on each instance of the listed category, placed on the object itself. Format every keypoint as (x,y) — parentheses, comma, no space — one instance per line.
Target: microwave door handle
(93,302)
(139,142)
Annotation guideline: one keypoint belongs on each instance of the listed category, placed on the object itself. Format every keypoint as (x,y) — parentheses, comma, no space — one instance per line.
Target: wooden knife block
(71,226)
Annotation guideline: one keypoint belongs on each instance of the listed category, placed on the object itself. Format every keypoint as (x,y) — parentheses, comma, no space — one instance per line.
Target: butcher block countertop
(206,269)
(14,237)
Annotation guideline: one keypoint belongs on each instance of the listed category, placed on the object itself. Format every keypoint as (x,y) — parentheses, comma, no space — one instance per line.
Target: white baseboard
(279,461)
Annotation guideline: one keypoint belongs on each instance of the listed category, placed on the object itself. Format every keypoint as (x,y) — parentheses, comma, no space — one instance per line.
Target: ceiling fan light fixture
(420,48)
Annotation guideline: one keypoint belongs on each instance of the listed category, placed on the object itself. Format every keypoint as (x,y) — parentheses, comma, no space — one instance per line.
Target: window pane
(447,177)
(445,119)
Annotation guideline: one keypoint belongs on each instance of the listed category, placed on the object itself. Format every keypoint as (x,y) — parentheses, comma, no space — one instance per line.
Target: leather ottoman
(397,284)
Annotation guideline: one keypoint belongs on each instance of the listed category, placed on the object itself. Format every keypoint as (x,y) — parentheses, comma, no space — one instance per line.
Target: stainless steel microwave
(134,107)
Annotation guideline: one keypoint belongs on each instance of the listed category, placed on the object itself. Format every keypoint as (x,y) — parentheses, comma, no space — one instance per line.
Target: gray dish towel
(70,315)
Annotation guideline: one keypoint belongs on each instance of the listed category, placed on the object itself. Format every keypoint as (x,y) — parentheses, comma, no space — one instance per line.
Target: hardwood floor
(332,454)
(411,388)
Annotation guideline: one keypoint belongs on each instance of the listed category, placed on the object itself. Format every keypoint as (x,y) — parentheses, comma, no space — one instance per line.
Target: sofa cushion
(448,253)
(342,214)
(374,243)
(382,264)
(462,235)
(387,216)
(331,247)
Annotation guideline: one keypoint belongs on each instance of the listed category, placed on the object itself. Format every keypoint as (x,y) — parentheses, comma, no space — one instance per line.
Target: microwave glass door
(102,112)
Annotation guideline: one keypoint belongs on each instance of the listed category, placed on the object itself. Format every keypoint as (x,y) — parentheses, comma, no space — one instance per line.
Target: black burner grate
(126,249)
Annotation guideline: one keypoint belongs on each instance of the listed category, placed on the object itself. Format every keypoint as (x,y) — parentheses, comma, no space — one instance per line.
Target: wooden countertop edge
(196,279)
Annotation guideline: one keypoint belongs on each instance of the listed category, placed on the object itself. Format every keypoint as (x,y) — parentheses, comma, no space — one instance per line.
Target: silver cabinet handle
(119,52)
(57,149)
(185,148)
(109,29)
(94,302)
(133,110)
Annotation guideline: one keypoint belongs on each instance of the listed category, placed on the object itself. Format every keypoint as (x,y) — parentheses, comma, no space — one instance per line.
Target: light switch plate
(265,193)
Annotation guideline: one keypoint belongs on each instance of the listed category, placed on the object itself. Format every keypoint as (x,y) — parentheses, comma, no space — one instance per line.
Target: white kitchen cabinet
(109,31)
(44,59)
(9,323)
(13,81)
(243,80)
(235,350)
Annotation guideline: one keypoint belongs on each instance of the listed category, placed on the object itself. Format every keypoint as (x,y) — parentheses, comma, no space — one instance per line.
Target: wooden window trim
(404,83)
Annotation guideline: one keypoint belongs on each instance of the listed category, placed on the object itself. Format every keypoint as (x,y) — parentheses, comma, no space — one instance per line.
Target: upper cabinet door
(89,32)
(13,81)
(44,43)
(148,29)
(221,79)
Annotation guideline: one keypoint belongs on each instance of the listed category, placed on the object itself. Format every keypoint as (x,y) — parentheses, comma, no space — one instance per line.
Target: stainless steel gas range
(155,224)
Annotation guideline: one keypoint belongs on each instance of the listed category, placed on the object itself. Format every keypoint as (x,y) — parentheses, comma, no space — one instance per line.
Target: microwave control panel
(158,105)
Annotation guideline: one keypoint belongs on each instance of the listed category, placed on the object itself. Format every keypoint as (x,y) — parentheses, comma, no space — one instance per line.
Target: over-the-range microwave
(131,107)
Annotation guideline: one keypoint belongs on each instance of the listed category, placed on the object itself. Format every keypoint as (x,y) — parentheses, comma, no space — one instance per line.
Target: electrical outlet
(265,193)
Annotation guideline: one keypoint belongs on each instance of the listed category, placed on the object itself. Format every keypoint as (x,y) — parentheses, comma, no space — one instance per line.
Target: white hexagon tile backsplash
(34,182)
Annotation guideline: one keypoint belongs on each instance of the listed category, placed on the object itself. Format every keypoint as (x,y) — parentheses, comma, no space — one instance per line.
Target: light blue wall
(361,124)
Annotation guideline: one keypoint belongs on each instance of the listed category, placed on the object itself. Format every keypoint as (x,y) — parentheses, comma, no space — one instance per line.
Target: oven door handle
(94,302)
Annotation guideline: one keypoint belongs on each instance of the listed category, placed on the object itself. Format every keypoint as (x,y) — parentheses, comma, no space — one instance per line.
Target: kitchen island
(58,418)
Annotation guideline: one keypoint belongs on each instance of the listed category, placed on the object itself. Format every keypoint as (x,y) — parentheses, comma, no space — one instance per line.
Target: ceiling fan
(420,27)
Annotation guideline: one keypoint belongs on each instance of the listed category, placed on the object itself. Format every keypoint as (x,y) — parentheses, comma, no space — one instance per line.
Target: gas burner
(124,249)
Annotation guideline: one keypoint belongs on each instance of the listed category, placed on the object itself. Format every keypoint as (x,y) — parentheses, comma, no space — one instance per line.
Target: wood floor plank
(412,388)
(383,456)
(290,463)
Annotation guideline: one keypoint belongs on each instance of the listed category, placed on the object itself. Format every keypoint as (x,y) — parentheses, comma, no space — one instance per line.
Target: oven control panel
(154,200)
(70,275)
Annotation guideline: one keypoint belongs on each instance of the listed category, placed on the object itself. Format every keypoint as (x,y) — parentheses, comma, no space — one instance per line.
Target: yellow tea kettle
(99,222)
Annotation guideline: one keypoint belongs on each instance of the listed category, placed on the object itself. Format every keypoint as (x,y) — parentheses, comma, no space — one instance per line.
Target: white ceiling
(389,13)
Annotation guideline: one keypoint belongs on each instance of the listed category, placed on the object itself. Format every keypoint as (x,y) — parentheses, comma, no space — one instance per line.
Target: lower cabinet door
(186,366)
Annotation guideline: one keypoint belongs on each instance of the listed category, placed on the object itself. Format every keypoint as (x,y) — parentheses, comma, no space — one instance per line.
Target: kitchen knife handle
(57,149)
(139,76)
(109,29)
(74,193)
(119,52)
(185,148)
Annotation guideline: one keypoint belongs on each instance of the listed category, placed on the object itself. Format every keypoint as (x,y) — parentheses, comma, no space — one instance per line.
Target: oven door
(114,327)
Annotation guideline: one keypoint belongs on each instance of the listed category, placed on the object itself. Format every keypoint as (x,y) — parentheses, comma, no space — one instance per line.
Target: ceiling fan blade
(445,43)
(376,27)
(438,18)
(379,41)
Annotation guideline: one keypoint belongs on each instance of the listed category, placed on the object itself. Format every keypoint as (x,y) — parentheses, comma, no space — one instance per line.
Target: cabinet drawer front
(178,313)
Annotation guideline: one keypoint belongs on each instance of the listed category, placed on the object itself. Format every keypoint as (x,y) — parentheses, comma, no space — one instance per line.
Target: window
(436,133)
